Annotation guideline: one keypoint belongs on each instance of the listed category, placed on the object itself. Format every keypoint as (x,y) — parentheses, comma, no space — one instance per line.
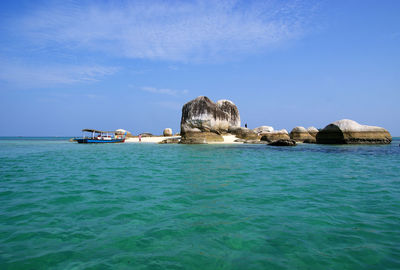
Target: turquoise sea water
(147,206)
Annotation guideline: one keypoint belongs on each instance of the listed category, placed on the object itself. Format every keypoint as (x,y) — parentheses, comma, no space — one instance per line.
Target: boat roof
(97,131)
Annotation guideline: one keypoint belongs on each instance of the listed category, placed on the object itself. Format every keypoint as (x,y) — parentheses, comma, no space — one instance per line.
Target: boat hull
(99,141)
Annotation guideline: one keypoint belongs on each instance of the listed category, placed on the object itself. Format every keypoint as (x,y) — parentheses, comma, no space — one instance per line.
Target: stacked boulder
(347,131)
(204,121)
(300,134)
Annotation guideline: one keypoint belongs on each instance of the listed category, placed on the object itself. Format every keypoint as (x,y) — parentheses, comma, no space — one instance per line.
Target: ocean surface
(146,206)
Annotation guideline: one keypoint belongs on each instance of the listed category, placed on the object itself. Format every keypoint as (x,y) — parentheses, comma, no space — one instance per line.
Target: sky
(69,65)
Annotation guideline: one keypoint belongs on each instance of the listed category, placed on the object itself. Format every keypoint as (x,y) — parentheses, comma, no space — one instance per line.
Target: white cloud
(166,30)
(22,75)
(164,91)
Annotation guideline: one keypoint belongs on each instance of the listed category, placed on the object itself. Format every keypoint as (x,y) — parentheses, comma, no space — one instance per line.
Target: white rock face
(283,131)
(230,108)
(312,130)
(299,129)
(352,126)
(167,132)
(263,129)
(347,131)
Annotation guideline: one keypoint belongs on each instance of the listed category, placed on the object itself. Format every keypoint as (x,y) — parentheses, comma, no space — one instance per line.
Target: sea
(65,205)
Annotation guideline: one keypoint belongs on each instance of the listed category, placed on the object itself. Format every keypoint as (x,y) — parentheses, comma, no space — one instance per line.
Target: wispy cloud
(22,75)
(166,30)
(164,91)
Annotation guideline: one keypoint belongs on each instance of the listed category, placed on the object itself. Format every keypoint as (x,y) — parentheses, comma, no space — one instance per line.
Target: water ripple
(141,206)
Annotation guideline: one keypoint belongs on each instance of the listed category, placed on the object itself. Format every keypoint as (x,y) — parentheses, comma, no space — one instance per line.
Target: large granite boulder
(350,132)
(243,133)
(203,115)
(204,121)
(167,132)
(201,138)
(275,135)
(289,142)
(312,131)
(300,134)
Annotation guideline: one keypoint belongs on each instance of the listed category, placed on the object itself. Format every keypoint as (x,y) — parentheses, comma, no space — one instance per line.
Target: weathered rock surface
(231,110)
(312,131)
(203,121)
(203,115)
(300,134)
(167,132)
(263,129)
(275,135)
(170,140)
(243,133)
(201,138)
(289,142)
(347,131)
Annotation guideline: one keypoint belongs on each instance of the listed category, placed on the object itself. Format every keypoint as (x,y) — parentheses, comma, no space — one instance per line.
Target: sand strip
(228,139)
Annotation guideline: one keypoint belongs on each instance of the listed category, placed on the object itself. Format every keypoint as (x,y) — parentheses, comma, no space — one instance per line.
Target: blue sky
(68,65)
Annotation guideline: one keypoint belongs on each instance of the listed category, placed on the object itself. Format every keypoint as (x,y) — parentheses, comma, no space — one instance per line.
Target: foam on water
(70,206)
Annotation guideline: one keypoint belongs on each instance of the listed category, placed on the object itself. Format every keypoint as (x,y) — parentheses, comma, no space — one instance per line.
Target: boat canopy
(97,131)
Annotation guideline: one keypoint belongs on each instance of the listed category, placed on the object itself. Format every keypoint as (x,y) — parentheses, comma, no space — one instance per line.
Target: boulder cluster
(204,121)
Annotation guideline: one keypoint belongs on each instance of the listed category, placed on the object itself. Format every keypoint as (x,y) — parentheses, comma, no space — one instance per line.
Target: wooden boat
(99,136)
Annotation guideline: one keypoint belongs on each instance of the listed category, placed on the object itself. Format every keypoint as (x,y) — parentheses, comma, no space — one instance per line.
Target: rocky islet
(204,121)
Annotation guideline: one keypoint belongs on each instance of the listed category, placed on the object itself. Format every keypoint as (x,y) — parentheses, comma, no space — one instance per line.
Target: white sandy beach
(228,139)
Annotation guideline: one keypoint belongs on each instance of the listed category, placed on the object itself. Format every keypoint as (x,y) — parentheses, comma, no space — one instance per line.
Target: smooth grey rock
(348,131)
